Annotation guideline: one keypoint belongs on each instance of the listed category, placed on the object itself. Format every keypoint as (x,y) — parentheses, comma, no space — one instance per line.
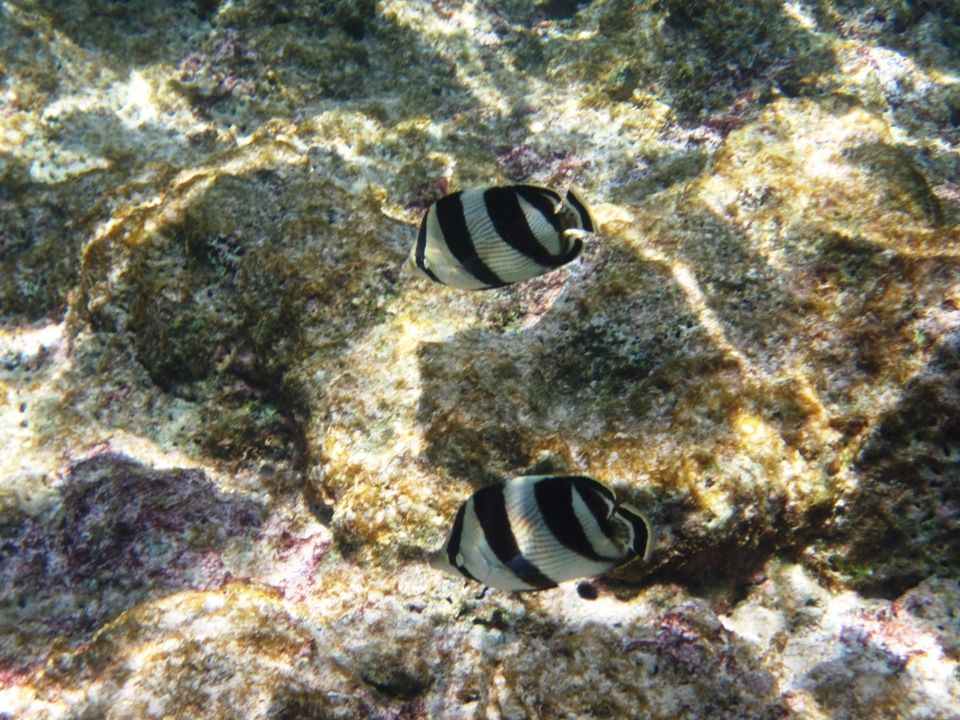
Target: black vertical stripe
(453,544)
(456,234)
(506,214)
(491,510)
(422,249)
(575,247)
(555,501)
(581,211)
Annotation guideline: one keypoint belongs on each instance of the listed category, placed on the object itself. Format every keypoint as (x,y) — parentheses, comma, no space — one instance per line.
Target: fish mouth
(438,560)
(410,267)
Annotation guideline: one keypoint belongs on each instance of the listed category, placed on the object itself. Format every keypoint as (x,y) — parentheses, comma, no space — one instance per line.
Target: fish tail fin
(643,536)
(587,221)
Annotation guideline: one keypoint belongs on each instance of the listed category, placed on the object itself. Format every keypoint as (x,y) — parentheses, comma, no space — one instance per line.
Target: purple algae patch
(123,533)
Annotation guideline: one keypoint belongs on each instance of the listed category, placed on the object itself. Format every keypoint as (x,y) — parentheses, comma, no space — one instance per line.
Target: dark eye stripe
(641,536)
(503,207)
(581,211)
(555,501)
(456,234)
(491,511)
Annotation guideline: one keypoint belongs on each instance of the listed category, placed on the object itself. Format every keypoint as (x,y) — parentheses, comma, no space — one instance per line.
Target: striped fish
(490,237)
(533,532)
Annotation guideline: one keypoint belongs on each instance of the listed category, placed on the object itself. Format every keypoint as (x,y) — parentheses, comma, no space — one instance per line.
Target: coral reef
(231,430)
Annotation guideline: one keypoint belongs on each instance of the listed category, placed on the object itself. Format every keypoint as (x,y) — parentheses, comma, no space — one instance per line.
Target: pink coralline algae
(125,534)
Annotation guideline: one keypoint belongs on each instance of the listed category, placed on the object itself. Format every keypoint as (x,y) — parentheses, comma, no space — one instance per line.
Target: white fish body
(533,532)
(490,237)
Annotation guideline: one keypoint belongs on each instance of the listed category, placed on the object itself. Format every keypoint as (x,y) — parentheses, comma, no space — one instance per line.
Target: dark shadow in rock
(902,524)
(772,314)
(123,534)
(757,305)
(130,32)
(721,571)
(220,301)
(651,174)
(489,396)
(893,168)
(872,297)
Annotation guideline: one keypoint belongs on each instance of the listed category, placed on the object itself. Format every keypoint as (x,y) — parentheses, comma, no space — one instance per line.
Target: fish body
(534,532)
(489,237)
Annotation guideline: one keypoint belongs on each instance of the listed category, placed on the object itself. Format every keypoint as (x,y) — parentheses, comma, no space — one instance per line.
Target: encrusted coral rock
(231,430)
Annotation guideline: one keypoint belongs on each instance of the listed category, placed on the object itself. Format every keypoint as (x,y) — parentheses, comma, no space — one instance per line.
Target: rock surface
(231,430)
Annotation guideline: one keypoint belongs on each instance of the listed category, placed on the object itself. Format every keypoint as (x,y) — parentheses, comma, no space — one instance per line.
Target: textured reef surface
(231,430)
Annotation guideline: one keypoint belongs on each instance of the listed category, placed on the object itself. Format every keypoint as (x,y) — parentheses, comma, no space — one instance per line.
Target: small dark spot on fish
(587,591)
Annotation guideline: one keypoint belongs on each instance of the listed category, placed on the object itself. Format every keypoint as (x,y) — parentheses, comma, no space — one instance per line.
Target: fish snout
(410,266)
